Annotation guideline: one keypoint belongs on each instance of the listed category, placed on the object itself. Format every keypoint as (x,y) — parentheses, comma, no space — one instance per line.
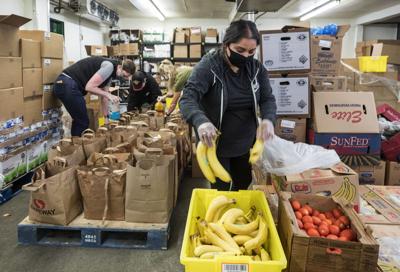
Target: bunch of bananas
(230,232)
(212,168)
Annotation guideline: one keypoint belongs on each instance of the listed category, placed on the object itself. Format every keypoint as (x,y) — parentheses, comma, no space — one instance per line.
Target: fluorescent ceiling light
(320,10)
(306,7)
(147,6)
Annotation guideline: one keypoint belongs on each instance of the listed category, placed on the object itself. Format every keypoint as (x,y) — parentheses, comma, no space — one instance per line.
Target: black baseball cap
(138,80)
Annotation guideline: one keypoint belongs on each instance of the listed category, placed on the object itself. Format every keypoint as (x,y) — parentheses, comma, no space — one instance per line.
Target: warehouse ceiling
(222,8)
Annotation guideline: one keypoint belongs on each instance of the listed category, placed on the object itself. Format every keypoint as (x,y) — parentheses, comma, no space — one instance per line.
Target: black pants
(240,170)
(67,90)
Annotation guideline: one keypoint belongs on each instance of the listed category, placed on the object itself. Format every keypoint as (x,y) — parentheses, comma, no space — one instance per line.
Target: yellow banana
(257,258)
(260,238)
(256,151)
(264,255)
(257,250)
(216,204)
(223,234)
(218,214)
(241,239)
(200,226)
(250,213)
(218,170)
(211,255)
(215,240)
(232,214)
(201,155)
(241,229)
(200,250)
(254,233)
(241,220)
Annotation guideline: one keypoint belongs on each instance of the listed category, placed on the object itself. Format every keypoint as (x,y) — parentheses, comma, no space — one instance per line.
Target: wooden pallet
(91,233)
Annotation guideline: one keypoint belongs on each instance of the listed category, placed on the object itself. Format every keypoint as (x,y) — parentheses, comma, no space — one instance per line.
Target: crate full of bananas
(230,231)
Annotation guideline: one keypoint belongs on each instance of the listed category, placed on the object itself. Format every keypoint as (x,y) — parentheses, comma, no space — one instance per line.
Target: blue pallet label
(350,144)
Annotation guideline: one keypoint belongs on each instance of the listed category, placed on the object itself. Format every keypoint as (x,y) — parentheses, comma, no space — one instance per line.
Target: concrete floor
(17,258)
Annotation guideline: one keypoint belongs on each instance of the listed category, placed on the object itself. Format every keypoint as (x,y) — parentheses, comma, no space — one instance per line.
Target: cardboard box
(9,24)
(11,103)
(292,94)
(328,84)
(35,155)
(392,173)
(10,72)
(272,198)
(211,35)
(32,110)
(114,50)
(286,51)
(195,35)
(12,166)
(32,81)
(371,174)
(195,51)
(50,101)
(52,44)
(182,35)
(306,253)
(339,181)
(52,68)
(30,53)
(196,171)
(383,200)
(291,129)
(180,51)
(129,49)
(390,48)
(96,50)
(342,112)
(391,148)
(326,52)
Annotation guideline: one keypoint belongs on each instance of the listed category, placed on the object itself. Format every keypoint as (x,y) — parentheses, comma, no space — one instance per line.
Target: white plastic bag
(281,157)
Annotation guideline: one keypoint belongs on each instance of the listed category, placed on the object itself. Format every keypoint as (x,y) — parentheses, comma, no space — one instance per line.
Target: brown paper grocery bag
(103,193)
(72,154)
(90,142)
(54,199)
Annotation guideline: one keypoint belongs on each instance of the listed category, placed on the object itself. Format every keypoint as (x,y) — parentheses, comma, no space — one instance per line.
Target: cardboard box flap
(342,29)
(342,168)
(13,20)
(336,170)
(345,112)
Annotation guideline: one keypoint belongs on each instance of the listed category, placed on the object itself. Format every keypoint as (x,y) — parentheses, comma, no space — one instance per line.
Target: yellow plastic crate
(373,64)
(245,199)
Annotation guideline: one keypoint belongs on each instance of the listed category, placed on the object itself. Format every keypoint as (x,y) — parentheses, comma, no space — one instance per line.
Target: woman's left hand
(265,130)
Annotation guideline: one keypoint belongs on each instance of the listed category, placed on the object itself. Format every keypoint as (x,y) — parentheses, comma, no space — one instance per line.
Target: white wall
(12,7)
(78,33)
(380,31)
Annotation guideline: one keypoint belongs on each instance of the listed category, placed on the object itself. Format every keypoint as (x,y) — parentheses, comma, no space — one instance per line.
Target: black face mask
(239,60)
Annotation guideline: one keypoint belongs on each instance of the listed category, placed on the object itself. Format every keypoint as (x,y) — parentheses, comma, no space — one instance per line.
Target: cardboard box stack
(124,42)
(24,132)
(285,54)
(187,43)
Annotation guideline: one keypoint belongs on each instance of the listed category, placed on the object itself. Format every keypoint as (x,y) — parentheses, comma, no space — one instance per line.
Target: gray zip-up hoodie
(205,96)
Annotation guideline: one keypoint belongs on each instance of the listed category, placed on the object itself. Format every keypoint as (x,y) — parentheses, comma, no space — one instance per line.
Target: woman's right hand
(207,133)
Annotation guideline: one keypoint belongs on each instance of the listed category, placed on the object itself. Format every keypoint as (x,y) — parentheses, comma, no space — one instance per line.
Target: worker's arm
(92,86)
(154,90)
(174,102)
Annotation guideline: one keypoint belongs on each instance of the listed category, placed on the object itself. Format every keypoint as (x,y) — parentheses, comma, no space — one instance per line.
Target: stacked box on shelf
(285,54)
(125,42)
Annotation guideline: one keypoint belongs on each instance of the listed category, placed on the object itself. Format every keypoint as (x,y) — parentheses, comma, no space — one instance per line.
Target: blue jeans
(67,90)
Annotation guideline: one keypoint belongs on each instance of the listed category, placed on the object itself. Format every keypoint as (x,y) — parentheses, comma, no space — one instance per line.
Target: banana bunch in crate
(230,231)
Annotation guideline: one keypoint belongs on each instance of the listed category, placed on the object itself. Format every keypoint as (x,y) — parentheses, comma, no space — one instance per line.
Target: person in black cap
(92,74)
(144,90)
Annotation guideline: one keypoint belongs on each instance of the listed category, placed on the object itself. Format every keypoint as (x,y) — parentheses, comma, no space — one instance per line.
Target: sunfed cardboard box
(129,49)
(10,72)
(9,24)
(326,52)
(292,94)
(371,174)
(180,51)
(32,110)
(286,50)
(96,50)
(195,51)
(11,103)
(342,112)
(306,253)
(52,44)
(32,81)
(328,84)
(30,53)
(12,166)
(339,181)
(50,101)
(195,35)
(384,200)
(52,68)
(291,129)
(392,173)
(211,35)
